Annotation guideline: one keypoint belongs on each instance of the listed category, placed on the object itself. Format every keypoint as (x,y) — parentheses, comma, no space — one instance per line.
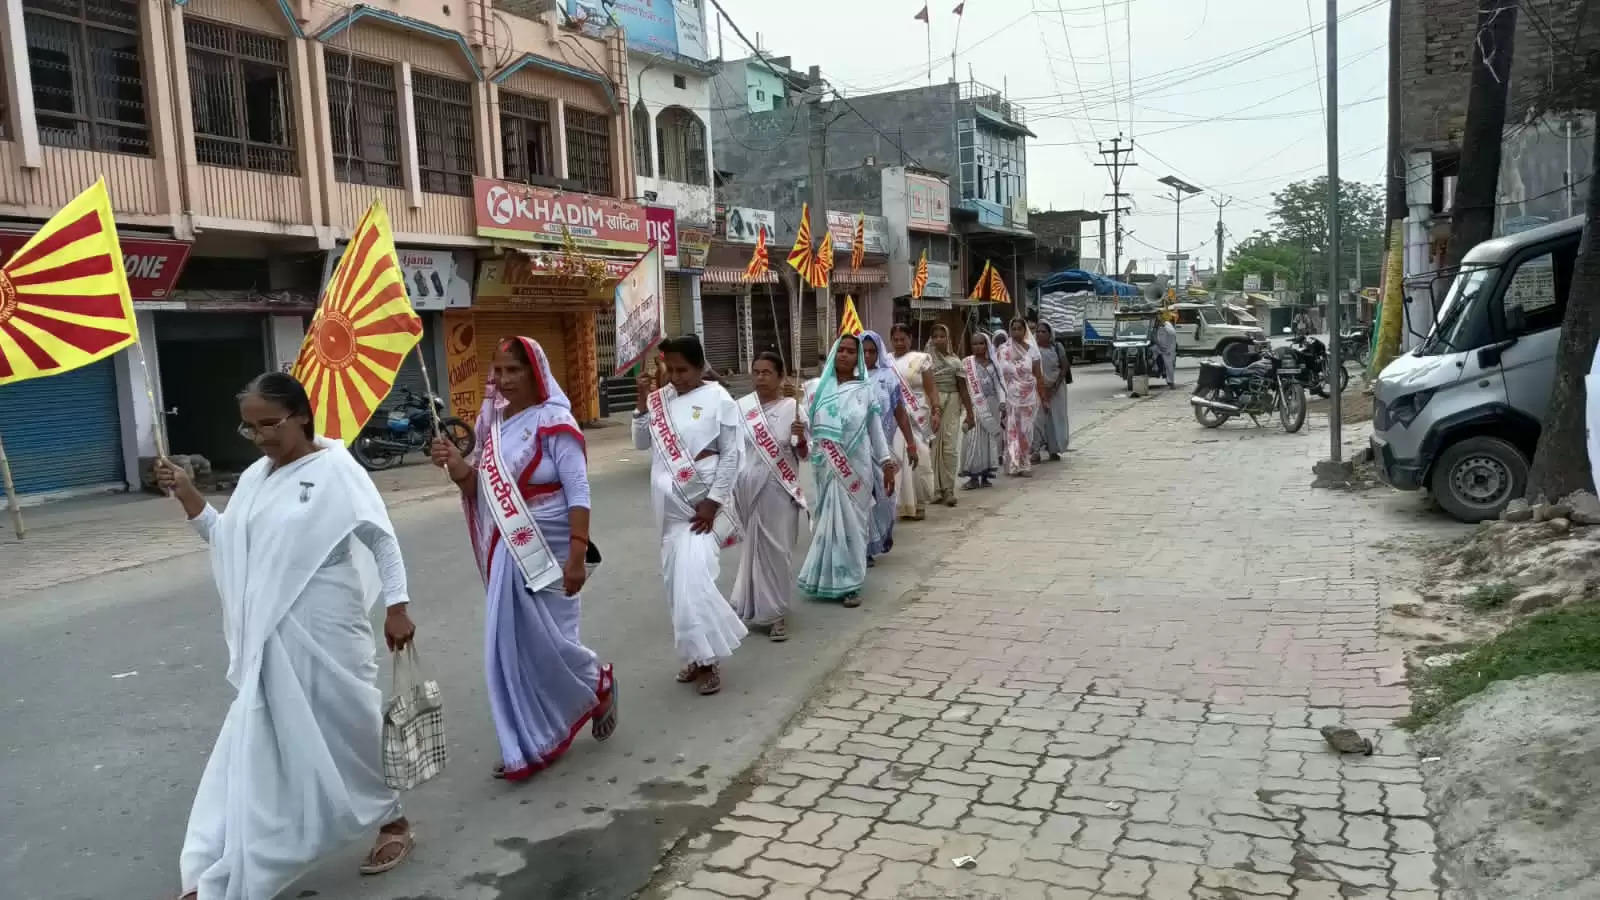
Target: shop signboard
(532,281)
(522,212)
(461,364)
(661,226)
(153,265)
(745,224)
(842,226)
(435,279)
(929,202)
(938,280)
(639,310)
(694,247)
(654,26)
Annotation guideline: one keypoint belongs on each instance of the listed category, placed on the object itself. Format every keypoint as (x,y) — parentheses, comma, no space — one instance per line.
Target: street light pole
(1179,189)
(1335,362)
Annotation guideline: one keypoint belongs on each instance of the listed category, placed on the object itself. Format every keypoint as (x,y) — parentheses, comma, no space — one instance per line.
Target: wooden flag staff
(11,495)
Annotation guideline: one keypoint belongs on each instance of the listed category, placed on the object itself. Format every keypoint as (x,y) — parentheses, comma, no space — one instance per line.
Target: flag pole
(927,26)
(11,495)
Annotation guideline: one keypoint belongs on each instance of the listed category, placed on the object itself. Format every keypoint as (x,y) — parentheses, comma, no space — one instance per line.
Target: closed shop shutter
(605,340)
(64,431)
(545,328)
(721,318)
(810,350)
(769,315)
(672,306)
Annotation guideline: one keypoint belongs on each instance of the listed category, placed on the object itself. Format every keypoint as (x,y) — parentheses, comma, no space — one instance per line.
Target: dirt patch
(1512,774)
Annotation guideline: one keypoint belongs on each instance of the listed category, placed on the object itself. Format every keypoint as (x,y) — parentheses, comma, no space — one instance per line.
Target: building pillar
(583,367)
(694,316)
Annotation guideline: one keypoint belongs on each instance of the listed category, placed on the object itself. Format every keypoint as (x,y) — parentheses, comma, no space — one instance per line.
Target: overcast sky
(1225,93)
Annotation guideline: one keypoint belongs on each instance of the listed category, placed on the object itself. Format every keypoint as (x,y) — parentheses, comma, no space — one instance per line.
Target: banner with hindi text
(639,310)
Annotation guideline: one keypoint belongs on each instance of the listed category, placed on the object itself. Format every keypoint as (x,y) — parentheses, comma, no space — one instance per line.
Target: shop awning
(724,275)
(876,275)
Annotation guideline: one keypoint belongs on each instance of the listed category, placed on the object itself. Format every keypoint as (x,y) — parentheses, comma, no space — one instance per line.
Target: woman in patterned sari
(1018,362)
(544,684)
(847,451)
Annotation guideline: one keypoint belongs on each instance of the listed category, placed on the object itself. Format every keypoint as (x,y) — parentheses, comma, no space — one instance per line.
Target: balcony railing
(993,100)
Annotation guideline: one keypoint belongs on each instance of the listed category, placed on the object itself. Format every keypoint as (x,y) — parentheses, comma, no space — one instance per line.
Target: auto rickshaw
(1133,343)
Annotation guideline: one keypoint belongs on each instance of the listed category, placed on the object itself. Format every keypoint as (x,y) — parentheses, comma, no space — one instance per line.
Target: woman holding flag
(847,450)
(768,496)
(526,499)
(693,426)
(914,371)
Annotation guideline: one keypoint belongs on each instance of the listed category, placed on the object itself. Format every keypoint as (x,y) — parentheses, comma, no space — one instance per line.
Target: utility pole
(1221,203)
(1336,397)
(1118,166)
(817,143)
(1179,189)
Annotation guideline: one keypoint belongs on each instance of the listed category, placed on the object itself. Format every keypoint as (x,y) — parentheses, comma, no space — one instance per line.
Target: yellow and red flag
(849,322)
(919,281)
(759,263)
(822,264)
(858,245)
(362,331)
(802,257)
(997,287)
(64,299)
(983,283)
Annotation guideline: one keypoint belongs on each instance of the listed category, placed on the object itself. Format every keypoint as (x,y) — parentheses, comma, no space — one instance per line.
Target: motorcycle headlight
(1404,410)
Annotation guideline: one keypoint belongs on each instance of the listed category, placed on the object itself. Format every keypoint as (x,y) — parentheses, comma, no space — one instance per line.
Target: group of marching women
(305,549)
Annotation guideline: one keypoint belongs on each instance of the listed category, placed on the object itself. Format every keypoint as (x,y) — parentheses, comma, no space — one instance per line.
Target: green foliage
(1562,640)
(1295,249)
(1486,597)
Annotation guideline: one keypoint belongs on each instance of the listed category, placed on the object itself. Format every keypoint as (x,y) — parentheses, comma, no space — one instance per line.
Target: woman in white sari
(768,497)
(693,427)
(296,770)
(985,425)
(920,398)
(847,451)
(530,479)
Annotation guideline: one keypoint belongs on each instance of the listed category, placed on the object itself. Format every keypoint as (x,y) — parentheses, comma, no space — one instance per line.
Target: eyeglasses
(251,432)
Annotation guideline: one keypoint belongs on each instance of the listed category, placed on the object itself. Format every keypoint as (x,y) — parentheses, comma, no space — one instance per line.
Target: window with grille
(445,150)
(681,138)
(88,77)
(364,114)
(239,92)
(589,150)
(525,137)
(641,140)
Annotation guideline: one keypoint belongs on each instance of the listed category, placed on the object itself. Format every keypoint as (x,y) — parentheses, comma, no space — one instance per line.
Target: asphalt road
(112,690)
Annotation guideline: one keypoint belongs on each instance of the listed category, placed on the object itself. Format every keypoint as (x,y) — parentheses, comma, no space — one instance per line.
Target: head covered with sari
(553,411)
(885,357)
(839,410)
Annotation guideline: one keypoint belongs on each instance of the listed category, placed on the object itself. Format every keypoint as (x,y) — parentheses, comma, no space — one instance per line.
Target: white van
(1460,415)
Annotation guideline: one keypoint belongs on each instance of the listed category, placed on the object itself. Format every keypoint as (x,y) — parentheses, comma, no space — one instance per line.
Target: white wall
(652,82)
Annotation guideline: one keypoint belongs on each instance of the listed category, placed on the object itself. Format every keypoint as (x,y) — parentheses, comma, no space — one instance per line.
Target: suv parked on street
(1206,330)
(1460,415)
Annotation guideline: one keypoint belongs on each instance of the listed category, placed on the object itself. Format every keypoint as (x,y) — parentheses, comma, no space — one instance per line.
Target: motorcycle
(408,427)
(1313,358)
(1270,384)
(1356,344)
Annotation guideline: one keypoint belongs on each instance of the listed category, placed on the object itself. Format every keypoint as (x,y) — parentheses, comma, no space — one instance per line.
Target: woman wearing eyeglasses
(303,550)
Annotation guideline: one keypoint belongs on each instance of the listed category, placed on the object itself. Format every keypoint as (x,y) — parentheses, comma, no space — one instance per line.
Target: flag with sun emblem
(64,299)
(361,333)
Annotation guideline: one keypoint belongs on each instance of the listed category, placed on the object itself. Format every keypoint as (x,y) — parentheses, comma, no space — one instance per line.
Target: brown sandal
(388,839)
(778,631)
(689,673)
(709,682)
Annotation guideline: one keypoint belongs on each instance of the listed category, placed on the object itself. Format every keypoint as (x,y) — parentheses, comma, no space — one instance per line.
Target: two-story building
(242,140)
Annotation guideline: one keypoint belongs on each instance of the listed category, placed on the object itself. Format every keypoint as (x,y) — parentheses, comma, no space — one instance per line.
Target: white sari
(296,770)
(914,485)
(705,627)
(769,513)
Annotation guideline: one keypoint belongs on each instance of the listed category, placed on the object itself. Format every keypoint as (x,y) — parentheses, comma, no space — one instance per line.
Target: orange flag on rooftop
(64,300)
(361,332)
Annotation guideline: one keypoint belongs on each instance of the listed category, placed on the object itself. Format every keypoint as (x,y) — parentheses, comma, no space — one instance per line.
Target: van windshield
(1464,316)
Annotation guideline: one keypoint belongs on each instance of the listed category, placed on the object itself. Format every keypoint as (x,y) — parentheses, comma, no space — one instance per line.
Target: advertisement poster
(639,311)
(661,226)
(521,212)
(654,26)
(153,265)
(461,363)
(875,232)
(744,224)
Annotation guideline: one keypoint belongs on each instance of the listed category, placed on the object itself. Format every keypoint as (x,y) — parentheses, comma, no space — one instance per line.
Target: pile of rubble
(1542,554)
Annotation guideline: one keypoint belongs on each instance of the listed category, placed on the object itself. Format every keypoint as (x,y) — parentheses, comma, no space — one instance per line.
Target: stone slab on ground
(1115,689)
(1514,784)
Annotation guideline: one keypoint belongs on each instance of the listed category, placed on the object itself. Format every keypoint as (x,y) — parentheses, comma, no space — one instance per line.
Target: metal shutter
(769,315)
(64,431)
(721,318)
(491,327)
(672,306)
(810,331)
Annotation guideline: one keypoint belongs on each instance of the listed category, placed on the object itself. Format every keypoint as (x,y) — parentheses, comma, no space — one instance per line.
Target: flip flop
(778,632)
(709,682)
(389,839)
(689,673)
(605,724)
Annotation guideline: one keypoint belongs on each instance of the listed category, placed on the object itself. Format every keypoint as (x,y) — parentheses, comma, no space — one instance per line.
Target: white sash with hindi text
(771,452)
(686,479)
(980,403)
(517,528)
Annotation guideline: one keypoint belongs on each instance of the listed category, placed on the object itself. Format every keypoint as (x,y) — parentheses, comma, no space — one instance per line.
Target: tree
(1262,254)
(1561,462)
(1300,217)
(1472,220)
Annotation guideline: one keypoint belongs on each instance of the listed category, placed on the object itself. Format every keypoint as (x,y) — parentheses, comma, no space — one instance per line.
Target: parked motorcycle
(407,428)
(1313,358)
(1270,384)
(1356,344)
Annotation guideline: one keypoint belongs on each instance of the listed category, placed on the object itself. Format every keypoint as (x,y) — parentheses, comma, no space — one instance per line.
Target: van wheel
(1475,479)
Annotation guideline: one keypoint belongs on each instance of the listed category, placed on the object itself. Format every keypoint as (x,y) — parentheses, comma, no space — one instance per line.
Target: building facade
(242,140)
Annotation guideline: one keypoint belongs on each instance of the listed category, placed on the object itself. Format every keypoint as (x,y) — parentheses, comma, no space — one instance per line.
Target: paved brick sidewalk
(1115,693)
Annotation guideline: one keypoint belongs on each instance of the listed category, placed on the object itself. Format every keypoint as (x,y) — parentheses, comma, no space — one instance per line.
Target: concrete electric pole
(1336,402)
(1221,203)
(1117,166)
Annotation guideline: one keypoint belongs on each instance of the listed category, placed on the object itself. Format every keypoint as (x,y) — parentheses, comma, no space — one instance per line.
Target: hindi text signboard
(522,212)
(639,311)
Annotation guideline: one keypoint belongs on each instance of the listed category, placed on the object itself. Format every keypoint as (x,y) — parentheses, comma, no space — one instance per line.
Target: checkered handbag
(413,725)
